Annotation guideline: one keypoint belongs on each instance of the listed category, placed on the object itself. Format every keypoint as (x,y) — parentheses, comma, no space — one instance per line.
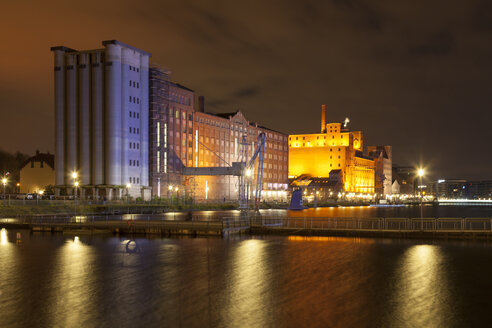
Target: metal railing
(377,224)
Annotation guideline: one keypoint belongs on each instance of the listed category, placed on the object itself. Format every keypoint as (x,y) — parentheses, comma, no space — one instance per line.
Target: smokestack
(323,118)
(201,104)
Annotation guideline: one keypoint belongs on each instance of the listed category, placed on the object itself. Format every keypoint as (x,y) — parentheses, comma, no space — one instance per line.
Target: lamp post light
(421,174)
(18,187)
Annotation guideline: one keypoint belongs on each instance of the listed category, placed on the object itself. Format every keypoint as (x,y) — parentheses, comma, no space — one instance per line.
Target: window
(138,100)
(138,180)
(130,98)
(130,145)
(130,82)
(138,115)
(138,84)
(130,129)
(130,164)
(138,163)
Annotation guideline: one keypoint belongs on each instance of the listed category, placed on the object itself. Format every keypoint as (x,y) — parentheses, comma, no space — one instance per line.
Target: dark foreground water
(67,281)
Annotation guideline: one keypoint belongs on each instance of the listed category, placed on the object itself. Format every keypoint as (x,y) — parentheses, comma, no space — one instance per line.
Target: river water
(103,281)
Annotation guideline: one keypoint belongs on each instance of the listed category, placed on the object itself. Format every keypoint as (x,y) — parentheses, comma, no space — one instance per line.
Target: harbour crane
(242,169)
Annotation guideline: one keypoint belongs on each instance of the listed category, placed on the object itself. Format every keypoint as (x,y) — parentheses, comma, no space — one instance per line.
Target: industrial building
(182,137)
(124,129)
(336,154)
(101,121)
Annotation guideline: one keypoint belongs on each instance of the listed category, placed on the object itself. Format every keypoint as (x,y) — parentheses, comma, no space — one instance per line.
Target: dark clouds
(415,75)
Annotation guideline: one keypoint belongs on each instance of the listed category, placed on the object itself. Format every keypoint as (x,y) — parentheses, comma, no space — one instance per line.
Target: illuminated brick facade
(182,137)
(335,148)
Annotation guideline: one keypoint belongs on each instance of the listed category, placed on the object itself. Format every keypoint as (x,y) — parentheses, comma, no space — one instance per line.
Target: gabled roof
(41,157)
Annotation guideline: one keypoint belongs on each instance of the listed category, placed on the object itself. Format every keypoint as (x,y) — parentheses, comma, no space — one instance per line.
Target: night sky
(415,75)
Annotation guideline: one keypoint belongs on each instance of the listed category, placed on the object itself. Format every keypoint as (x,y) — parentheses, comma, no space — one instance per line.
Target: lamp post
(128,186)
(249,174)
(75,183)
(421,174)
(177,195)
(40,194)
(169,195)
(4,182)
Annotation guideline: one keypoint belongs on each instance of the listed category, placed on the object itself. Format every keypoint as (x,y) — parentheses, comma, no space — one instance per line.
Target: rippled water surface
(67,281)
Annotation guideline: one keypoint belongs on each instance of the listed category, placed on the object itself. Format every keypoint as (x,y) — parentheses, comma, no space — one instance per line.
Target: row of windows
(134,84)
(134,145)
(180,99)
(133,68)
(134,163)
(134,100)
(134,130)
(134,114)
(134,180)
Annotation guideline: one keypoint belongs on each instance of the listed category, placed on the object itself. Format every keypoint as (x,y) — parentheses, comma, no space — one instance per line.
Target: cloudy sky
(416,75)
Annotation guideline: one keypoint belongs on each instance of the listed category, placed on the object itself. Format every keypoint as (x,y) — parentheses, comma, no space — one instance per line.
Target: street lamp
(421,174)
(169,195)
(128,186)
(4,182)
(75,183)
(40,194)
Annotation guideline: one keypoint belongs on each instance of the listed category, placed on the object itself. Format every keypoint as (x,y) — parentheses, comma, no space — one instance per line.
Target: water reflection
(74,285)
(4,238)
(249,288)
(421,297)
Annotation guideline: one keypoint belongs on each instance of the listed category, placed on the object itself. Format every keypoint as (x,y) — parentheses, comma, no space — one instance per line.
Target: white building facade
(102,121)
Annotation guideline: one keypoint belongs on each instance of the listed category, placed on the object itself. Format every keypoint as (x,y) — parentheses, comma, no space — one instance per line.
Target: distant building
(383,157)
(101,120)
(449,189)
(334,148)
(37,172)
(182,137)
(405,177)
(480,189)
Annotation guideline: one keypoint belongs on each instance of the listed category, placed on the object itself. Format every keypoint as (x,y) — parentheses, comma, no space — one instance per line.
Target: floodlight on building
(170,187)
(74,175)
